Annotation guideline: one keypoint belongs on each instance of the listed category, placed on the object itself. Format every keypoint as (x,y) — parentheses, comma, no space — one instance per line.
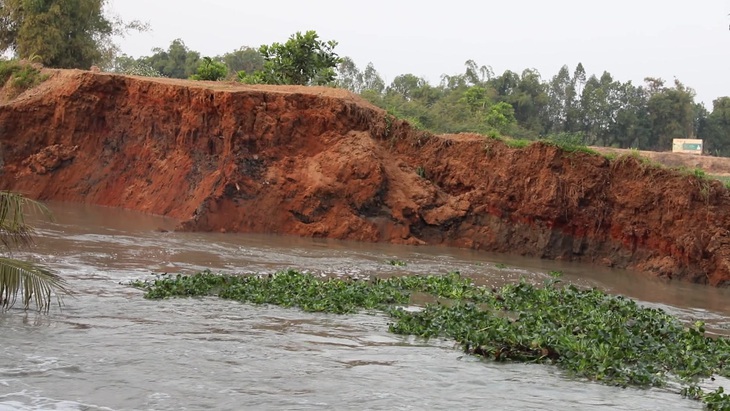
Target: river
(110,349)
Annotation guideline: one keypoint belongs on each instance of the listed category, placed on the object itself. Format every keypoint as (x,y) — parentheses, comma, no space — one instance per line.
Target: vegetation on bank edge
(590,334)
(22,76)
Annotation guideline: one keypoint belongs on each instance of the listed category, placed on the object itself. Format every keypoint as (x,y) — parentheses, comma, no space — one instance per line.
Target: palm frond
(14,231)
(31,282)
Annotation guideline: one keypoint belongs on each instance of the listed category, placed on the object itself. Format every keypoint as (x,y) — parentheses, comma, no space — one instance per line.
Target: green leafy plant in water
(397,263)
(586,332)
(716,400)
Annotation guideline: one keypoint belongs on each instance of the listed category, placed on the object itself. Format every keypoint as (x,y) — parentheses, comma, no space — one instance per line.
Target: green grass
(517,143)
(569,142)
(22,76)
(590,334)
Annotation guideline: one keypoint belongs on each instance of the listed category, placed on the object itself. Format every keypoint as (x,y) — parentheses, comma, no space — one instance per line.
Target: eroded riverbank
(110,344)
(321,162)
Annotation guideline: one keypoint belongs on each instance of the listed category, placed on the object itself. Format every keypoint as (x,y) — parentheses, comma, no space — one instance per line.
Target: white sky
(631,39)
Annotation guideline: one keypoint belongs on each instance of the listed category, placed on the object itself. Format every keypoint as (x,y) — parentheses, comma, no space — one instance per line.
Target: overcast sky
(631,39)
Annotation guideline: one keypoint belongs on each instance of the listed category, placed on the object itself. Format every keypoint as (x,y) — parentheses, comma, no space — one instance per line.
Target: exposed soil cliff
(321,162)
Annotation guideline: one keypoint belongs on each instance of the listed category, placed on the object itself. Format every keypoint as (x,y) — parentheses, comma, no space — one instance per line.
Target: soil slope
(321,162)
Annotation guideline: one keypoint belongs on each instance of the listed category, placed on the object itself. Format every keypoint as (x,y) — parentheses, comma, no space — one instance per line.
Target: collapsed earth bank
(322,162)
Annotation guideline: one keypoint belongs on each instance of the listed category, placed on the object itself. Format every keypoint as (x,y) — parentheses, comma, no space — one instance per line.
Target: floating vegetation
(397,263)
(590,334)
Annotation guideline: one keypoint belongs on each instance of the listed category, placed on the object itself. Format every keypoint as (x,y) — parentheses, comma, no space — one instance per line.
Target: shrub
(210,70)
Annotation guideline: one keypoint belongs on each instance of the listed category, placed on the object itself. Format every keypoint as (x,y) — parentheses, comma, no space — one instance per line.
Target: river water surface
(110,349)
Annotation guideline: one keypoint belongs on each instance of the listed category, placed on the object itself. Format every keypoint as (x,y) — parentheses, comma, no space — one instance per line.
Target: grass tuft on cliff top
(22,76)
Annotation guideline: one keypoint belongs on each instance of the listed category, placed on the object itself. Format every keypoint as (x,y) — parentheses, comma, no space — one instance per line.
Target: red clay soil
(320,162)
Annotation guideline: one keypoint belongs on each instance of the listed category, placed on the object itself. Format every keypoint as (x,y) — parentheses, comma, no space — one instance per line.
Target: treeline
(595,110)
(178,61)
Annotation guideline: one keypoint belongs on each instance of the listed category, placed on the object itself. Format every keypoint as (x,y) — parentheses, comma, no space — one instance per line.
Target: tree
(477,76)
(561,100)
(244,59)
(407,85)
(349,76)
(500,117)
(579,78)
(177,61)
(34,283)
(477,99)
(136,67)
(715,129)
(61,33)
(671,111)
(372,82)
(303,59)
(210,70)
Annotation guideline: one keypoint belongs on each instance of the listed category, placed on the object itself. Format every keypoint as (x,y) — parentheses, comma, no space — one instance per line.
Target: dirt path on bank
(715,166)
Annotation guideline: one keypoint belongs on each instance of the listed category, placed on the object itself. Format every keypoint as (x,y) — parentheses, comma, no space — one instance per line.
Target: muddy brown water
(109,349)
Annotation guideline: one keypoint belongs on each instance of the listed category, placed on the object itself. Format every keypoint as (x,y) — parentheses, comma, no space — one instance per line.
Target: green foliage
(592,335)
(8,68)
(570,142)
(517,143)
(27,77)
(303,59)
(714,127)
(670,112)
(210,70)
(501,117)
(62,33)
(32,282)
(245,59)
(288,289)
(127,65)
(716,400)
(178,61)
(397,263)
(21,76)
(604,111)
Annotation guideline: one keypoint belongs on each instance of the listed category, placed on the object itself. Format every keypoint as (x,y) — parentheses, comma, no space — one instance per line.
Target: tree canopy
(178,61)
(303,59)
(60,33)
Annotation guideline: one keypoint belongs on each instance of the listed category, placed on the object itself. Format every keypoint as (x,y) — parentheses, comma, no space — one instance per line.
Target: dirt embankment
(713,166)
(321,162)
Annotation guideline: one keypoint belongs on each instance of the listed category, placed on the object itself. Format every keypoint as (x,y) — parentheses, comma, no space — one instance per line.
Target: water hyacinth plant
(590,334)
